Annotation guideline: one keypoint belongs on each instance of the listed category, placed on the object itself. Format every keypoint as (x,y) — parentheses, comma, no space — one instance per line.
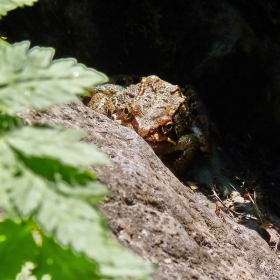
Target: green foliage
(8,5)
(53,166)
(38,249)
(45,183)
(30,78)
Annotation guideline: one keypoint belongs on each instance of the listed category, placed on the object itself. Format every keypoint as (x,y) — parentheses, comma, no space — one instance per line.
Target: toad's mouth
(158,139)
(157,136)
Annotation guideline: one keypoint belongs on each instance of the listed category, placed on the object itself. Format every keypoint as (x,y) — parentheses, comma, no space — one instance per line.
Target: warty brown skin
(161,114)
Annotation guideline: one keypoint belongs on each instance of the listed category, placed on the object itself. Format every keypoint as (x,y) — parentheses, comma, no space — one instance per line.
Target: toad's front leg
(187,146)
(103,99)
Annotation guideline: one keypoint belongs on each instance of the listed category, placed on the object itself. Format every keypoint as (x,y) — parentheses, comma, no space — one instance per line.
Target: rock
(153,214)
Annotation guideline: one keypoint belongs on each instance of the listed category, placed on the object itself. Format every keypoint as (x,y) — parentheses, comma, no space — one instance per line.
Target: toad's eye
(126,111)
(126,114)
(167,127)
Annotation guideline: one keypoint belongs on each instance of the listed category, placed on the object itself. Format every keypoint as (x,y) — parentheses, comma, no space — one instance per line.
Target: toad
(173,124)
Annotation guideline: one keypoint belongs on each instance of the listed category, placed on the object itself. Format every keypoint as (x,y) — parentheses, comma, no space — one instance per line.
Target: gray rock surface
(152,213)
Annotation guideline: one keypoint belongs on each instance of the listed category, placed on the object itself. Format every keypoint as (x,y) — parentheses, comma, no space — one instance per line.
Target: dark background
(228,50)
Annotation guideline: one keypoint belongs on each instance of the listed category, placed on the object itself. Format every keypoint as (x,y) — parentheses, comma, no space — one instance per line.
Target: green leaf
(60,205)
(47,257)
(36,158)
(8,167)
(13,237)
(8,5)
(29,78)
(75,223)
(57,144)
(8,123)
(63,263)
